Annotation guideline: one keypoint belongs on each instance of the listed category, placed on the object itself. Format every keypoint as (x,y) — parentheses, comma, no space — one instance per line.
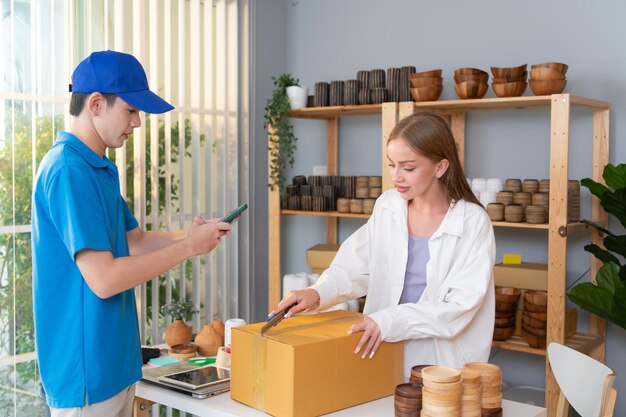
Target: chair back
(586,383)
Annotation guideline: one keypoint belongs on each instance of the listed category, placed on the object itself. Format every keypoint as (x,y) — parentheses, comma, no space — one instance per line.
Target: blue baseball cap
(112,72)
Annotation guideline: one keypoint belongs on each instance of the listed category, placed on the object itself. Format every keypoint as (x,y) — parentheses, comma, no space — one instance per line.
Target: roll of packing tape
(228,326)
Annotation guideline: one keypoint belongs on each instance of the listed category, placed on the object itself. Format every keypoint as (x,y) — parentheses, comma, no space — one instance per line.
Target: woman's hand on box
(305,299)
(370,341)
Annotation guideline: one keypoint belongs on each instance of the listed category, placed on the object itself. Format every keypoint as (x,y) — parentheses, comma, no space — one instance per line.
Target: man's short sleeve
(76,210)
(129,219)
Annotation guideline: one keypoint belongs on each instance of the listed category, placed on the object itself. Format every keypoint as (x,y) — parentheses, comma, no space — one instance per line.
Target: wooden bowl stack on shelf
(507,299)
(426,85)
(509,81)
(534,318)
(548,78)
(470,83)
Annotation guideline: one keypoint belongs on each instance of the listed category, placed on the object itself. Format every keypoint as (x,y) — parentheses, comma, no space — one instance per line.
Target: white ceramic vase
(297,96)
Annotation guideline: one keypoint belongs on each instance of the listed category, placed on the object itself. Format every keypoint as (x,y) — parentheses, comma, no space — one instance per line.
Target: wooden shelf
(584,343)
(336,111)
(325,214)
(544,226)
(452,105)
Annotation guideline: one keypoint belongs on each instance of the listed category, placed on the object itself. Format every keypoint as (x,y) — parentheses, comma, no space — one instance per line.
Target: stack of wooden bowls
(506,307)
(491,380)
(442,392)
(548,78)
(509,81)
(471,403)
(408,400)
(426,85)
(416,373)
(534,318)
(470,83)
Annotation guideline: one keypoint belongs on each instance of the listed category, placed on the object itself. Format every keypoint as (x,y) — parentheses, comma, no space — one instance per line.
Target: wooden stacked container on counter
(440,391)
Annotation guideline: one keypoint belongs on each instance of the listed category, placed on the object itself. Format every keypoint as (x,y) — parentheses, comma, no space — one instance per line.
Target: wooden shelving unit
(558,229)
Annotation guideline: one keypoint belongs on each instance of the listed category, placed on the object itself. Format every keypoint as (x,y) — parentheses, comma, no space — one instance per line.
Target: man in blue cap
(88,250)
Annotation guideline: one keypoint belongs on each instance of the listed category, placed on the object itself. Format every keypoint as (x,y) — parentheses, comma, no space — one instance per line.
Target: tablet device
(199,377)
(234,215)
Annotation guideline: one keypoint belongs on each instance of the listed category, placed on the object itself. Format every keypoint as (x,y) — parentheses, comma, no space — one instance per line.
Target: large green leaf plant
(607,299)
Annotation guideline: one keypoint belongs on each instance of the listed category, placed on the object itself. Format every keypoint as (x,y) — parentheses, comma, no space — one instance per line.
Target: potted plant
(178,332)
(282,141)
(607,298)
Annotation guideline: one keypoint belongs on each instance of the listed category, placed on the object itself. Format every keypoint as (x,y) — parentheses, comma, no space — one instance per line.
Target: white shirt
(452,323)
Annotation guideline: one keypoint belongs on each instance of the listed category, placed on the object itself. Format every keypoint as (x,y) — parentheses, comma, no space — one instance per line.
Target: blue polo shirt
(86,346)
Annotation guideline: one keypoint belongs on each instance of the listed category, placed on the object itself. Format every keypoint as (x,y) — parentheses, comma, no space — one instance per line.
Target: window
(187,162)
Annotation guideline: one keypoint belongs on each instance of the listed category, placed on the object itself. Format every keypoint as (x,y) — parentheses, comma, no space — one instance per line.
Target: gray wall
(324,40)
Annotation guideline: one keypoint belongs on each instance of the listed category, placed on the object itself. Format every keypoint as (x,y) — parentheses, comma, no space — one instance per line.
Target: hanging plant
(282,141)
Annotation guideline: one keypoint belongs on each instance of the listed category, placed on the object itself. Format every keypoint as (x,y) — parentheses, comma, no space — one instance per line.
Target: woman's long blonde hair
(429,135)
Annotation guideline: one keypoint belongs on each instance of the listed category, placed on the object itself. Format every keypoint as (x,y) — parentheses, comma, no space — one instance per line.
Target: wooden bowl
(547,87)
(534,323)
(537,331)
(522,77)
(545,73)
(441,374)
(468,70)
(534,341)
(184,351)
(536,315)
(504,307)
(504,72)
(425,82)
(511,89)
(459,78)
(503,333)
(505,314)
(471,89)
(436,73)
(538,298)
(560,67)
(532,308)
(505,321)
(428,93)
(508,294)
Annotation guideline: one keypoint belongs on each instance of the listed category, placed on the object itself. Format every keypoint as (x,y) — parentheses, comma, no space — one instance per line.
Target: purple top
(415,276)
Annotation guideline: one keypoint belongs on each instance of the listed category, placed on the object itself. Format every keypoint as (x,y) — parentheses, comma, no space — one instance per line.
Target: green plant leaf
(603,255)
(607,299)
(615,204)
(615,176)
(597,226)
(616,244)
(608,277)
(596,188)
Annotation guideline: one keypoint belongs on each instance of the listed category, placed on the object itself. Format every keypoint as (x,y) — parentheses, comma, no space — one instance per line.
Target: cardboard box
(528,276)
(306,366)
(320,256)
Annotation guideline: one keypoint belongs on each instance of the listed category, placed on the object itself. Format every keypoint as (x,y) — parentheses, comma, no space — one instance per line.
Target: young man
(88,251)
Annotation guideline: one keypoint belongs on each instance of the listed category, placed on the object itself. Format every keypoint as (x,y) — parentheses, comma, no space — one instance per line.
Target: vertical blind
(191,161)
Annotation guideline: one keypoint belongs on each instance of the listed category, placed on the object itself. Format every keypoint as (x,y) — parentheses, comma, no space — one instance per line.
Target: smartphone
(199,378)
(234,215)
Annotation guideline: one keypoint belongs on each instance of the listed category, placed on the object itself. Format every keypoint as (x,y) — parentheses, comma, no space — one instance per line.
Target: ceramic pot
(208,341)
(297,96)
(218,325)
(177,333)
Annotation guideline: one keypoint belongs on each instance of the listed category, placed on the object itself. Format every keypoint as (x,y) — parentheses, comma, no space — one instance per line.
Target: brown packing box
(320,256)
(306,366)
(528,276)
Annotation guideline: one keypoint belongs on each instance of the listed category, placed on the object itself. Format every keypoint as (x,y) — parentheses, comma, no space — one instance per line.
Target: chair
(586,384)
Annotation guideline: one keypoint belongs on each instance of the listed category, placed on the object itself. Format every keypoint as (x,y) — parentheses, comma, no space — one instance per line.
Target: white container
(228,326)
(494,185)
(297,96)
